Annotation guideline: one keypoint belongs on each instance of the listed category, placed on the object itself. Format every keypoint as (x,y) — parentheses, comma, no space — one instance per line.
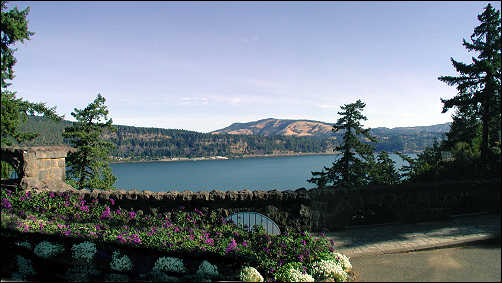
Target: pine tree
(89,163)
(479,82)
(14,111)
(14,28)
(351,170)
(383,171)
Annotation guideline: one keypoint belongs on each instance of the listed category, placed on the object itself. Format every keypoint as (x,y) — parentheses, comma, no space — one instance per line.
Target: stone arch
(247,219)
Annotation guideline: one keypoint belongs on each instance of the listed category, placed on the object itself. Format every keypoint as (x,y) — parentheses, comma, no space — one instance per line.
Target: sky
(202,66)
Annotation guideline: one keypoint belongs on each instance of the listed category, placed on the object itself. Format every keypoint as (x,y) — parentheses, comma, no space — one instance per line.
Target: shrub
(84,252)
(46,249)
(291,273)
(207,269)
(328,270)
(120,263)
(169,264)
(24,267)
(250,274)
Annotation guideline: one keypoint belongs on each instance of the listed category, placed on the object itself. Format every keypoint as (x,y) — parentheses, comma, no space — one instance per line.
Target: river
(260,173)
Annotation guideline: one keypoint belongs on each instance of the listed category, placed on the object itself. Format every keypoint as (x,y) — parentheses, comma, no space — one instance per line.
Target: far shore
(175,159)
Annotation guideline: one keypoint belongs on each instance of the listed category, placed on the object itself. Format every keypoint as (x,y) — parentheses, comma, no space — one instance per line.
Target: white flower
(169,264)
(296,276)
(328,270)
(120,263)
(46,249)
(206,268)
(250,274)
(344,261)
(84,252)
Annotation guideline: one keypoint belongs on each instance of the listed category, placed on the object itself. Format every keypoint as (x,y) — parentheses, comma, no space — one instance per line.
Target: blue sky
(202,66)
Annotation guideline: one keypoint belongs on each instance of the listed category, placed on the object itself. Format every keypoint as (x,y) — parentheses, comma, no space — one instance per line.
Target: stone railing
(328,209)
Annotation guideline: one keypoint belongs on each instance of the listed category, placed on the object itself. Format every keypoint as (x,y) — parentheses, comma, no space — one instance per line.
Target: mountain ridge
(304,127)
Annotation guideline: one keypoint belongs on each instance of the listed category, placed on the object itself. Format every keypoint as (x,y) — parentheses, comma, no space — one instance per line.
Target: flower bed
(62,236)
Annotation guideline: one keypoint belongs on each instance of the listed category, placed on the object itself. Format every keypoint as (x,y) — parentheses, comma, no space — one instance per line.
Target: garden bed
(41,232)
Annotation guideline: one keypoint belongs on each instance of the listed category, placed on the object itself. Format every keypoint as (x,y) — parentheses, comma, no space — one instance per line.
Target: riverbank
(174,159)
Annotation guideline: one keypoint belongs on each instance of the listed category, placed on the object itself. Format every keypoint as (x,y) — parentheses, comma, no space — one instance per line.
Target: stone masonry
(40,167)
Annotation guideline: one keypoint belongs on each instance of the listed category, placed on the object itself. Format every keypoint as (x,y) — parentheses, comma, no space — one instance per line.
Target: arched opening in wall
(247,219)
(9,174)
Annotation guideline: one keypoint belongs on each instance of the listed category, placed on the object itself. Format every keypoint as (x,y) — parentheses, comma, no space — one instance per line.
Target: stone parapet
(40,167)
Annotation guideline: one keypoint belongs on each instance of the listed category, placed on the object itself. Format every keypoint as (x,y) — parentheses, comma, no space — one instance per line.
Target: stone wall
(328,209)
(39,167)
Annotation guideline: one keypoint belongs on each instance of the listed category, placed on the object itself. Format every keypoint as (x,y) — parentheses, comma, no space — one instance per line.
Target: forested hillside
(155,143)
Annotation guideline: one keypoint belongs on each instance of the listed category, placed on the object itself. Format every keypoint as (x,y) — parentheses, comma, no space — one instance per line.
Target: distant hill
(268,136)
(274,127)
(301,128)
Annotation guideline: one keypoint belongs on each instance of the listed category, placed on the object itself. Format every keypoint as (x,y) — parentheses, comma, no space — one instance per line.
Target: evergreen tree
(383,171)
(426,167)
(89,163)
(351,170)
(14,28)
(479,83)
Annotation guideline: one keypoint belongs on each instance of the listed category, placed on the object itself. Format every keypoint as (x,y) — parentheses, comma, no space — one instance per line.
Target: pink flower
(232,245)
(51,195)
(106,213)
(132,214)
(209,241)
(112,201)
(244,244)
(84,208)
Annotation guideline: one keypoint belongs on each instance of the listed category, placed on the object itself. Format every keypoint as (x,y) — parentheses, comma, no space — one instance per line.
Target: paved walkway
(396,238)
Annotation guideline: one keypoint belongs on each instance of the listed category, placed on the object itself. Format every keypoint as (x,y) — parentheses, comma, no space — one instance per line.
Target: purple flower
(98,227)
(232,245)
(82,202)
(136,239)
(300,258)
(209,241)
(67,232)
(198,211)
(106,213)
(51,194)
(132,214)
(6,203)
(112,201)
(67,203)
(267,250)
(244,244)
(304,243)
(121,239)
(84,208)
(117,211)
(176,229)
(93,234)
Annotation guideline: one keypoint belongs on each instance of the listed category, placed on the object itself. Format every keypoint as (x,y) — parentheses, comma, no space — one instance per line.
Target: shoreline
(176,159)
(246,156)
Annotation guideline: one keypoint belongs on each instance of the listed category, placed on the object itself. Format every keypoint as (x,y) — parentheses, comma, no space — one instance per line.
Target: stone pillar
(41,167)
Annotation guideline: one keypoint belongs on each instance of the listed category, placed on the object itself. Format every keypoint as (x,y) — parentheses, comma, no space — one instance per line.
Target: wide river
(261,173)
